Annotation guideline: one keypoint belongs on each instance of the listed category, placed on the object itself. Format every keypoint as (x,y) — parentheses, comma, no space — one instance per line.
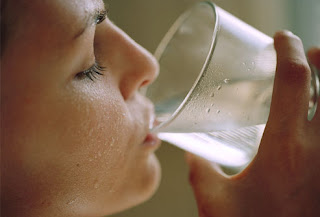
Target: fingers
(314,56)
(292,81)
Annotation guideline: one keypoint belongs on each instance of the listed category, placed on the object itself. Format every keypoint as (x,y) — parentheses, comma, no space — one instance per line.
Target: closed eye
(92,73)
(101,16)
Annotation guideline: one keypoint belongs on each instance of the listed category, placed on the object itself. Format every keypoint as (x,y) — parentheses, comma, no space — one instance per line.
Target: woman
(75,139)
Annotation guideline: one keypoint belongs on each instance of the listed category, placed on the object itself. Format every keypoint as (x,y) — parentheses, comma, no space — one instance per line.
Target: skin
(75,147)
(71,146)
(283,179)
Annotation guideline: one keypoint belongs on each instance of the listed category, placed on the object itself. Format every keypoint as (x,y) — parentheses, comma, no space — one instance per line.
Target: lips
(152,140)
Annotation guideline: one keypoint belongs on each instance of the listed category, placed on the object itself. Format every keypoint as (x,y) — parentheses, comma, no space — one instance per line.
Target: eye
(92,73)
(101,16)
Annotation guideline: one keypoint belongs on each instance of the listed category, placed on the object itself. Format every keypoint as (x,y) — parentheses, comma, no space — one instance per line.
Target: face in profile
(75,137)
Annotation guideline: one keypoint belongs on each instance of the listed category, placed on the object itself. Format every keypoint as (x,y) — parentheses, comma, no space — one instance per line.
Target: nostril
(143,87)
(145,83)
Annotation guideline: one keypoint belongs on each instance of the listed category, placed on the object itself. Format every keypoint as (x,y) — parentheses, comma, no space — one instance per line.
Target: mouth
(152,141)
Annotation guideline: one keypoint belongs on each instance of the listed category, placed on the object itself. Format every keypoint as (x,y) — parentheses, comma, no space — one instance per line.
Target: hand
(284,178)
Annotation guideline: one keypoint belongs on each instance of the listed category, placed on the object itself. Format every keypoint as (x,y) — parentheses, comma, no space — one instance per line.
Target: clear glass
(213,94)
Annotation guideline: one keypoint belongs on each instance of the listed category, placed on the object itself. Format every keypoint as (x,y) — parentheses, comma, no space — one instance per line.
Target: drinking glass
(213,93)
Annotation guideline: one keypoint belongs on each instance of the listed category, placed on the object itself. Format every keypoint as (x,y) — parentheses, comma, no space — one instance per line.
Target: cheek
(76,142)
(96,126)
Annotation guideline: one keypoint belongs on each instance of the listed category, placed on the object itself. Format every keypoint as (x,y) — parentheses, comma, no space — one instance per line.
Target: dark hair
(4,27)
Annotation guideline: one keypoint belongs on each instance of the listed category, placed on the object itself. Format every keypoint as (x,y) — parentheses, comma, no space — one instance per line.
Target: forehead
(67,16)
(59,5)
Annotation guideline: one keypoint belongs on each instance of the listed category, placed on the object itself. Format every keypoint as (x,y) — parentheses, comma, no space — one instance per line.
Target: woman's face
(74,142)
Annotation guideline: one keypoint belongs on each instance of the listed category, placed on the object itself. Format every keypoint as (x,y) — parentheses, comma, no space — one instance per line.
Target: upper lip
(149,117)
(152,121)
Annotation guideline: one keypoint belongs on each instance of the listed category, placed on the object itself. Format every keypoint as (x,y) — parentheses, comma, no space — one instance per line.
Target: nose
(133,66)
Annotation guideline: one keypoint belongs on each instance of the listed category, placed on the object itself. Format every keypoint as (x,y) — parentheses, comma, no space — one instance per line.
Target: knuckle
(289,139)
(294,70)
(279,130)
(284,36)
(280,36)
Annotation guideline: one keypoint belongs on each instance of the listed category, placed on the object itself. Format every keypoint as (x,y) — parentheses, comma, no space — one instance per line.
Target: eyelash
(91,73)
(101,16)
(95,69)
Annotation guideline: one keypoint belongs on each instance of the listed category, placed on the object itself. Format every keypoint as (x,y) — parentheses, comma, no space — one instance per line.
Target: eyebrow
(91,19)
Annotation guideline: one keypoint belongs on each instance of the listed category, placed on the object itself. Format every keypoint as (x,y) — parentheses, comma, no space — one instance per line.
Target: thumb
(204,175)
(210,187)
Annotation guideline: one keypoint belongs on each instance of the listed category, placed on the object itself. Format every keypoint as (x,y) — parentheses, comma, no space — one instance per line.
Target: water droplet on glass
(226,81)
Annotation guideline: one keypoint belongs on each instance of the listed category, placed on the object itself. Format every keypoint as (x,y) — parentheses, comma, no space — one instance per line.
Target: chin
(148,181)
(139,187)
(151,185)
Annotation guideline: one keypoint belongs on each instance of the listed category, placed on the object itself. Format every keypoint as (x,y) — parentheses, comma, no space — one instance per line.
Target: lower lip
(152,141)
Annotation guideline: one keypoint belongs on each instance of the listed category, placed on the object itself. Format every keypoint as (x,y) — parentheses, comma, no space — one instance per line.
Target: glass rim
(166,40)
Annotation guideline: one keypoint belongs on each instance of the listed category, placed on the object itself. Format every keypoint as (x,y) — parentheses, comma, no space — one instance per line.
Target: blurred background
(146,21)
